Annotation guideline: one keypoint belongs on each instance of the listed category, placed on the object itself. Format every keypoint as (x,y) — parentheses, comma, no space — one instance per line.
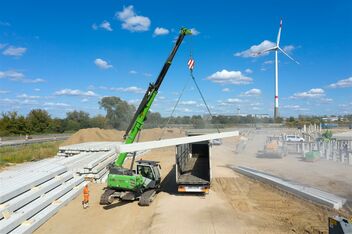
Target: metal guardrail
(16,143)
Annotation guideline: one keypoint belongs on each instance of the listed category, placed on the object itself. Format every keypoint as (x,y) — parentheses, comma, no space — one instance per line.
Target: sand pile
(97,134)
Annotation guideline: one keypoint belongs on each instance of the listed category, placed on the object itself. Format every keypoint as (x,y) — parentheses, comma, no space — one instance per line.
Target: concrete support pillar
(350,158)
(298,148)
(304,128)
(303,149)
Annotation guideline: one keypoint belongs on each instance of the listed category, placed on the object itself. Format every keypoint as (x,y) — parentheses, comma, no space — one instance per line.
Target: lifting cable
(173,110)
(190,67)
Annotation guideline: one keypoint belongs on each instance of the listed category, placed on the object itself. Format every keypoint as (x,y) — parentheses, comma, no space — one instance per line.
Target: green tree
(197,121)
(154,120)
(98,121)
(72,125)
(57,125)
(80,117)
(118,112)
(13,124)
(38,121)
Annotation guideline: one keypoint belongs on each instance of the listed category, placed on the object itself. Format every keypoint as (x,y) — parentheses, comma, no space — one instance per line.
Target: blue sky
(67,55)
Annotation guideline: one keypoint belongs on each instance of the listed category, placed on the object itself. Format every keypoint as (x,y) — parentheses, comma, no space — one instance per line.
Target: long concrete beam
(36,206)
(34,222)
(175,141)
(309,193)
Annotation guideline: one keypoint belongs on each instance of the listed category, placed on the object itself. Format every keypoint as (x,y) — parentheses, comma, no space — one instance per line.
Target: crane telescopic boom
(139,117)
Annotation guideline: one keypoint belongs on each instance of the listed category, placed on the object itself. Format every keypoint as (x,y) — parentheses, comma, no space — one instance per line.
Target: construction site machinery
(339,225)
(143,182)
(273,148)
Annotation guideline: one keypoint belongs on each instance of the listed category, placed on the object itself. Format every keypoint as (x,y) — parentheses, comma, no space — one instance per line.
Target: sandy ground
(235,203)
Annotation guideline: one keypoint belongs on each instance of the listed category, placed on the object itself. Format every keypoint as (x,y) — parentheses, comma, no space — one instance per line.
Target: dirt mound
(94,134)
(97,134)
(275,211)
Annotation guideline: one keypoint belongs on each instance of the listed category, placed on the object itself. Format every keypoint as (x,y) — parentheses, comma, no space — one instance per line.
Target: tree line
(118,116)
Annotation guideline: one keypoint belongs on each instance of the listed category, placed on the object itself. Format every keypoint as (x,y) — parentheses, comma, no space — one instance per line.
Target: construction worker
(85,201)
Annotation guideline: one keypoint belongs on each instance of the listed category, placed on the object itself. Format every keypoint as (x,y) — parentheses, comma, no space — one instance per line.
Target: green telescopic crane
(143,182)
(139,117)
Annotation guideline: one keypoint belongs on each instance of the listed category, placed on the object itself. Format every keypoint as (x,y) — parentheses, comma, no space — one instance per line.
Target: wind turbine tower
(276,49)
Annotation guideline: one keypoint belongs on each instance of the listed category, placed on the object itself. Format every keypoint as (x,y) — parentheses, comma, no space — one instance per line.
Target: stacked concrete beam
(12,220)
(309,193)
(87,147)
(40,218)
(97,167)
(30,194)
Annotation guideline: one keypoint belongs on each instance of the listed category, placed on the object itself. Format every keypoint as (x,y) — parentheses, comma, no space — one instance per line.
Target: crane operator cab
(150,170)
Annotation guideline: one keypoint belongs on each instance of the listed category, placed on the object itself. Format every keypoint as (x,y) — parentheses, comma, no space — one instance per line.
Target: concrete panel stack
(31,193)
(70,150)
(25,195)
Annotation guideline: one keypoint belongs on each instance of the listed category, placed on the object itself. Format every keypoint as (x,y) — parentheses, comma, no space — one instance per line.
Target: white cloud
(132,89)
(94,26)
(229,77)
(225,90)
(134,101)
(234,100)
(18,76)
(255,49)
(194,32)
(252,92)
(312,93)
(14,51)
(326,100)
(289,48)
(248,71)
(295,107)
(255,104)
(133,72)
(27,96)
(158,31)
(106,25)
(188,103)
(131,21)
(85,100)
(2,45)
(36,89)
(268,62)
(147,74)
(12,75)
(75,92)
(102,64)
(33,81)
(56,104)
(346,83)
(4,91)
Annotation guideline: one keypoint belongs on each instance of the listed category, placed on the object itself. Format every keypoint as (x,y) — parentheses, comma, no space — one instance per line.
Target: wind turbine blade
(266,50)
(279,34)
(287,55)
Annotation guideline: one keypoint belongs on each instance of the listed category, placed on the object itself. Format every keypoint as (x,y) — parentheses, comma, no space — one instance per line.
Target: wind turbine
(276,49)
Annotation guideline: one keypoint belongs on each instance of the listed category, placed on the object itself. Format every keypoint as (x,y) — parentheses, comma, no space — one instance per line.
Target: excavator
(141,184)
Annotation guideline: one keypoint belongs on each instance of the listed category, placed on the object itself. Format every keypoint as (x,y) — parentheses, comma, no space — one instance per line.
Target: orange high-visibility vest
(86,194)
